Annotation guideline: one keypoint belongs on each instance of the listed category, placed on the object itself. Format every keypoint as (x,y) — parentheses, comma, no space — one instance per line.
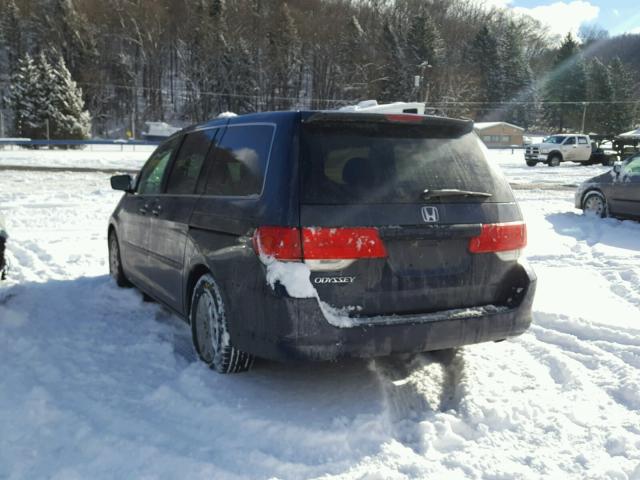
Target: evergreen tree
(622,86)
(11,38)
(46,94)
(565,83)
(351,56)
(425,46)
(517,77)
(24,97)
(68,118)
(394,85)
(284,58)
(599,89)
(484,56)
(243,79)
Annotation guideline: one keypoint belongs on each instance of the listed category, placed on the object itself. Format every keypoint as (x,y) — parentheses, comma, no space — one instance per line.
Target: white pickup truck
(559,148)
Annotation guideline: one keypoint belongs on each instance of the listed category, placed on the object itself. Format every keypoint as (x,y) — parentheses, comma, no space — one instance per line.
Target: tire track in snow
(416,388)
(574,362)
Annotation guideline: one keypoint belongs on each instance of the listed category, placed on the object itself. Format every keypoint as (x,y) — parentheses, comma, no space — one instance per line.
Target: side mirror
(617,167)
(122,182)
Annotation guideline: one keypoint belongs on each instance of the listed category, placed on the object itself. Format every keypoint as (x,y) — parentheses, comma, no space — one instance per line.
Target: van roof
(315,115)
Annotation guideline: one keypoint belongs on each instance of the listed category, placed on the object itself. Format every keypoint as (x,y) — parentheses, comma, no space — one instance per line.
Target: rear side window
(583,141)
(150,180)
(186,168)
(632,168)
(382,163)
(239,161)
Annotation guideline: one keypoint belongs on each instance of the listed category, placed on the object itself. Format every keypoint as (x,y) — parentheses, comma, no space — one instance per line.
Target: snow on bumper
(312,337)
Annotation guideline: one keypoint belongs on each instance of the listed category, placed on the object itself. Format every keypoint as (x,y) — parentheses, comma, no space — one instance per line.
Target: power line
(185,92)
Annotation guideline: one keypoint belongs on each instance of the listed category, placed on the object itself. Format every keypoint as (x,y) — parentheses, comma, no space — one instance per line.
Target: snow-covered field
(127,157)
(95,383)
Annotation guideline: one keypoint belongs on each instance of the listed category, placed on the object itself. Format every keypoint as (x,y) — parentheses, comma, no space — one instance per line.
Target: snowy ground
(95,383)
(109,157)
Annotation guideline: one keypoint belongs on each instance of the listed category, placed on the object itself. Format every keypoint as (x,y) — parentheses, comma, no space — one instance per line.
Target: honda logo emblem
(430,214)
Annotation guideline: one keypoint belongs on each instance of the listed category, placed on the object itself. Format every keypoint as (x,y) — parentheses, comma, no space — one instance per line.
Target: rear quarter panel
(221,229)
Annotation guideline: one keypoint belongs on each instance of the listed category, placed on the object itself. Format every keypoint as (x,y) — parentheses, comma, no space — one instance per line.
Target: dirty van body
(400,233)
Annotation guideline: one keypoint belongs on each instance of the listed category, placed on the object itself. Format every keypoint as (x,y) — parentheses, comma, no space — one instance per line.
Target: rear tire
(554,161)
(531,163)
(115,263)
(209,327)
(595,203)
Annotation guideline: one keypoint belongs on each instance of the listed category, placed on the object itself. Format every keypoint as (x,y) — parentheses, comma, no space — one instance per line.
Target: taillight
(499,237)
(341,243)
(290,243)
(281,243)
(405,117)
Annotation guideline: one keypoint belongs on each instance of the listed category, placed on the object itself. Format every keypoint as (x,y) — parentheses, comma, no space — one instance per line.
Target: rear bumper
(310,336)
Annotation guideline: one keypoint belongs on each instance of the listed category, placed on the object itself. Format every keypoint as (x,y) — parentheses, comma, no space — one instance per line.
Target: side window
(632,168)
(150,180)
(239,161)
(186,168)
(570,141)
(582,141)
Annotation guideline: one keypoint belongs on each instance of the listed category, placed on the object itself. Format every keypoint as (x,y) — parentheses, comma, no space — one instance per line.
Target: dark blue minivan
(321,235)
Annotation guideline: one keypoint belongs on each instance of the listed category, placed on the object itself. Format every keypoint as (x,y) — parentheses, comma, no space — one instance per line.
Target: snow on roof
(632,133)
(372,106)
(485,125)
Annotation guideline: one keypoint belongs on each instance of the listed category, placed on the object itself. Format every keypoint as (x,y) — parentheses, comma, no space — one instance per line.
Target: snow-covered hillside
(96,383)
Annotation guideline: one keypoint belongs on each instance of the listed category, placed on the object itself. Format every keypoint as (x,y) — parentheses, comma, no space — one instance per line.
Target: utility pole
(1,124)
(584,115)
(419,80)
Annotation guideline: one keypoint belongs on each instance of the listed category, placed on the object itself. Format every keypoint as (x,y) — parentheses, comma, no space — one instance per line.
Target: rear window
(369,163)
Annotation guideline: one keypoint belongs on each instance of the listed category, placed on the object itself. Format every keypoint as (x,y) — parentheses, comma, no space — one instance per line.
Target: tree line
(184,61)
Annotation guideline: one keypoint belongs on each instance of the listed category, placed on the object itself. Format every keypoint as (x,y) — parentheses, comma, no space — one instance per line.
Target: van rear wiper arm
(452,192)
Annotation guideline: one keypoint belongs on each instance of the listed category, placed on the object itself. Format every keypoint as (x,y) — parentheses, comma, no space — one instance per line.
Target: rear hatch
(404,214)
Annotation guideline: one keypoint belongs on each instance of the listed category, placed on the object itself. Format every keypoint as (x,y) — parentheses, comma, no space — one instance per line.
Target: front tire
(210,329)
(554,161)
(595,203)
(531,163)
(115,262)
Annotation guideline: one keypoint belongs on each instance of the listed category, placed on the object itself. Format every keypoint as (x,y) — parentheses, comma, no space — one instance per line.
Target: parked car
(615,193)
(3,241)
(320,235)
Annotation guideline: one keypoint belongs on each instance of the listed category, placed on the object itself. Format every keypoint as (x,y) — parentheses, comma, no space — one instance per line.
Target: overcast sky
(616,16)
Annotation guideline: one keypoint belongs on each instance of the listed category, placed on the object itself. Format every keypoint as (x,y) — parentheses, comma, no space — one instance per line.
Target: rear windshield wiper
(452,192)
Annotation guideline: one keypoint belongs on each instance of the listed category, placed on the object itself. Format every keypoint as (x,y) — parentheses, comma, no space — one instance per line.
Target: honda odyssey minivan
(321,235)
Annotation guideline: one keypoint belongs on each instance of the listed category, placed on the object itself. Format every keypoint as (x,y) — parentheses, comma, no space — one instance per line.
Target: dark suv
(320,235)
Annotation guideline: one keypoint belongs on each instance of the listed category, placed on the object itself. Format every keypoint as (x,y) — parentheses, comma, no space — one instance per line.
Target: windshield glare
(557,139)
